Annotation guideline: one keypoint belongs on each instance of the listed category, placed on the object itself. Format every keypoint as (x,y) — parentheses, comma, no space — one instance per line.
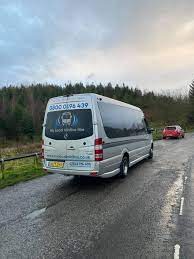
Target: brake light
(98,149)
(93,174)
(42,150)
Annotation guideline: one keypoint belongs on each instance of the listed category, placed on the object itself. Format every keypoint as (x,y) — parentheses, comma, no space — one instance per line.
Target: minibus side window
(121,121)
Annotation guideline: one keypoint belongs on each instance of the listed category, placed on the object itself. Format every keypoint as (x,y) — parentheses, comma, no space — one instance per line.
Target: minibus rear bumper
(93,173)
(71,172)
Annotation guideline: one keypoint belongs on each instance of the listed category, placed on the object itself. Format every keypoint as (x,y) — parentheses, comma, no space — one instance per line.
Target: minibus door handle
(71,148)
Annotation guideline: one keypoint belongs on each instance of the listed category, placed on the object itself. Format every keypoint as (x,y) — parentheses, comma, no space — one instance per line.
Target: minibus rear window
(69,124)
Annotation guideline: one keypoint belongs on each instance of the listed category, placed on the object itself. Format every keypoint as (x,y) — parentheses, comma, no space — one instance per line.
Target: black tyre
(124,167)
(78,178)
(151,153)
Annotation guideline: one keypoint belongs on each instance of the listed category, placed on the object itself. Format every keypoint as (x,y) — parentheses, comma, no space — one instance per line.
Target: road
(149,214)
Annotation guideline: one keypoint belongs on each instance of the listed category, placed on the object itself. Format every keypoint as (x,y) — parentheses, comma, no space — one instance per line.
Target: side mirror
(150,130)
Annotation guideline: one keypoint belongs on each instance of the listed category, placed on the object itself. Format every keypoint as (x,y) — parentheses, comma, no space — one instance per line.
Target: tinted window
(170,128)
(69,124)
(121,121)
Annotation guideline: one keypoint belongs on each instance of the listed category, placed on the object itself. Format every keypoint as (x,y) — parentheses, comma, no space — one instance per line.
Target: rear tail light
(93,174)
(98,149)
(42,150)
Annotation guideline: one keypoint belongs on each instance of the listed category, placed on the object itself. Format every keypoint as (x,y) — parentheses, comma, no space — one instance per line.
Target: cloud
(146,43)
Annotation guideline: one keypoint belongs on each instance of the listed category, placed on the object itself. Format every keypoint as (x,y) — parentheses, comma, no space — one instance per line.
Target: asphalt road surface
(149,214)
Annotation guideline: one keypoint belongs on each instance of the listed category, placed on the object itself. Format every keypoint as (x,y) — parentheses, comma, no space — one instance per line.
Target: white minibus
(93,135)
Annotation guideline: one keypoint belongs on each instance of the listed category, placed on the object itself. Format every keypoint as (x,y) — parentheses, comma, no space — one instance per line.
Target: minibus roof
(96,96)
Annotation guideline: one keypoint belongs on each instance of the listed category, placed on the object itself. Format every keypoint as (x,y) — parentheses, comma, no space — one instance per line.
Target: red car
(173,132)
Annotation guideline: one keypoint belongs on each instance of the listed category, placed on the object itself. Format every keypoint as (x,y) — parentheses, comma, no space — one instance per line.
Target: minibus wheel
(124,167)
(151,153)
(77,178)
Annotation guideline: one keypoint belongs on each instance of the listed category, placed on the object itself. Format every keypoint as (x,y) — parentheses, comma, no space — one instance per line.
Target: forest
(22,107)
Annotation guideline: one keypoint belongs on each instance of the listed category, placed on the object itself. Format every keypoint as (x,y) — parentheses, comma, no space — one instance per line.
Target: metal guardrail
(19,157)
(3,160)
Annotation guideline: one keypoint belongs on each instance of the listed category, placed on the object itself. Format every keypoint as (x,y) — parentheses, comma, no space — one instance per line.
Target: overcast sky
(149,44)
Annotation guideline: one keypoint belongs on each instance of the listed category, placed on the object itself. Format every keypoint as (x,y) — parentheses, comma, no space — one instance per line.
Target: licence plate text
(56,164)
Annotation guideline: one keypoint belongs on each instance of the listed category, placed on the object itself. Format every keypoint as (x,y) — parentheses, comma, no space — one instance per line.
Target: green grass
(157,135)
(190,130)
(19,149)
(23,141)
(13,177)
(19,171)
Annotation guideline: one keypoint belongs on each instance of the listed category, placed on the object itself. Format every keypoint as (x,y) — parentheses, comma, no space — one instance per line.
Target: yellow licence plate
(56,164)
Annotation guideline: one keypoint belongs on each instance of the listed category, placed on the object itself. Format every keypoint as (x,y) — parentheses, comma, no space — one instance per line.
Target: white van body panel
(68,118)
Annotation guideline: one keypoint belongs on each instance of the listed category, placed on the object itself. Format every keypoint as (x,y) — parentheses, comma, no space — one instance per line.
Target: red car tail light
(93,174)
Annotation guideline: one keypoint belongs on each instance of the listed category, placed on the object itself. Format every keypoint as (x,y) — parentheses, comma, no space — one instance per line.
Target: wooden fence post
(2,168)
(36,160)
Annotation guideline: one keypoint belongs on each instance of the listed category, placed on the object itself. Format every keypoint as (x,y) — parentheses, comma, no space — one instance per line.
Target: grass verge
(157,135)
(11,177)
(20,170)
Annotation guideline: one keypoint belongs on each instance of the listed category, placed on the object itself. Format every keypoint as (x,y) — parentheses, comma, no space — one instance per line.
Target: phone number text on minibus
(68,106)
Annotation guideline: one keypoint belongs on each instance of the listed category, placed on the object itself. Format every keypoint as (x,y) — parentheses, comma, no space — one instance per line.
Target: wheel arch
(125,152)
